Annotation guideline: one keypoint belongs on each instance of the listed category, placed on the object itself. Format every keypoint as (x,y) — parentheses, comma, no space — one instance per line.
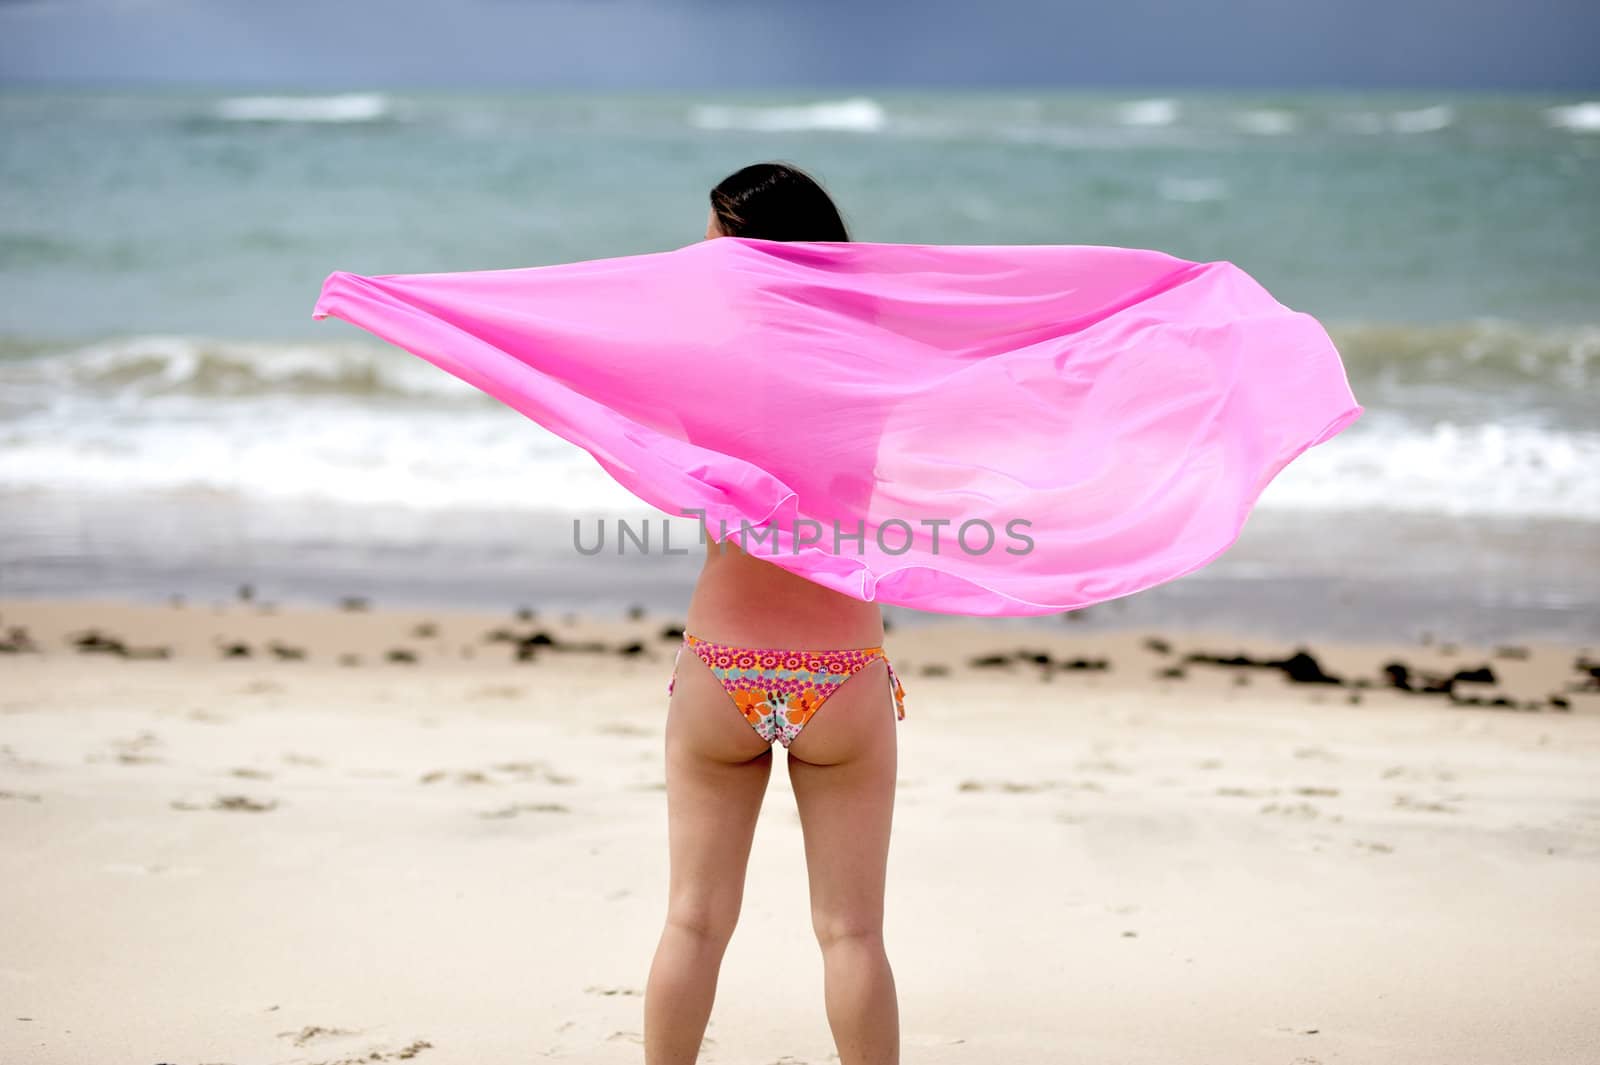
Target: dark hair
(775,201)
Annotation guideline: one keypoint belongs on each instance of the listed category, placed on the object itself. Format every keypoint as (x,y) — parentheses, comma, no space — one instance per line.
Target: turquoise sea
(173,421)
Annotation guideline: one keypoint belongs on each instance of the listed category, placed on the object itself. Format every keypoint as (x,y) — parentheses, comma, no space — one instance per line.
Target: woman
(839,735)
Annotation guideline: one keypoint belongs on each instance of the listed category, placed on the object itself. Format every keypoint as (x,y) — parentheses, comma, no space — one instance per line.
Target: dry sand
(462,858)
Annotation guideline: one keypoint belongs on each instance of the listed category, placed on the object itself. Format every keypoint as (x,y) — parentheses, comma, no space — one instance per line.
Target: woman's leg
(842,768)
(717,773)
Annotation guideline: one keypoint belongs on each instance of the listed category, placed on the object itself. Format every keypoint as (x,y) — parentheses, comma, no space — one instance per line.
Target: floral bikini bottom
(778,690)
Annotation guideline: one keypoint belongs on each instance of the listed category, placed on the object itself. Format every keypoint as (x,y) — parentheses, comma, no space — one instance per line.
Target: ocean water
(173,421)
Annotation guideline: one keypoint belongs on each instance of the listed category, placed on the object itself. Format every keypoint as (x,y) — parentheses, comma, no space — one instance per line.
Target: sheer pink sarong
(966,429)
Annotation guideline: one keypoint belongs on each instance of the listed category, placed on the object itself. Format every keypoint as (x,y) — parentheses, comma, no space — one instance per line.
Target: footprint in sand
(461,776)
(533,769)
(1302,810)
(229,802)
(317,1035)
(497,691)
(530,807)
(1409,802)
(630,991)
(1003,785)
(1401,772)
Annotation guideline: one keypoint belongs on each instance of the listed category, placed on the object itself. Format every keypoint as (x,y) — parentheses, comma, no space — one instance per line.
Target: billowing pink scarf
(966,429)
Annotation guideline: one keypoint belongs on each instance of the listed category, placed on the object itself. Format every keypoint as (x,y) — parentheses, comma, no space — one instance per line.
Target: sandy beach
(242,833)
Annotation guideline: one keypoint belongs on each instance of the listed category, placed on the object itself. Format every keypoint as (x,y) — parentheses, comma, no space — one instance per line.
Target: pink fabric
(1127,405)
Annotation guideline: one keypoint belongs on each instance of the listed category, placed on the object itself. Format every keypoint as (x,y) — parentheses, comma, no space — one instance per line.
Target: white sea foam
(130,369)
(1580,118)
(1266,122)
(345,107)
(858,114)
(310,450)
(1444,430)
(1422,120)
(1158,112)
(422,454)
(1447,468)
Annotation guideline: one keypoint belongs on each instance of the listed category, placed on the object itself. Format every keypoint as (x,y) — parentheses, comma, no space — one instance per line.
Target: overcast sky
(1535,44)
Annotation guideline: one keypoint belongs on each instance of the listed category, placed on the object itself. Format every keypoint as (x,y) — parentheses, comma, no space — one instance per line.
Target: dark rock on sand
(629,650)
(93,641)
(355,603)
(1223,660)
(989,661)
(635,612)
(1401,676)
(286,653)
(1481,675)
(1157,645)
(671,632)
(401,654)
(1301,668)
(1432,685)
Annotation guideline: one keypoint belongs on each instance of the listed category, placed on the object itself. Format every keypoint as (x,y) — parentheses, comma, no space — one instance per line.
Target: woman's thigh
(717,772)
(842,769)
